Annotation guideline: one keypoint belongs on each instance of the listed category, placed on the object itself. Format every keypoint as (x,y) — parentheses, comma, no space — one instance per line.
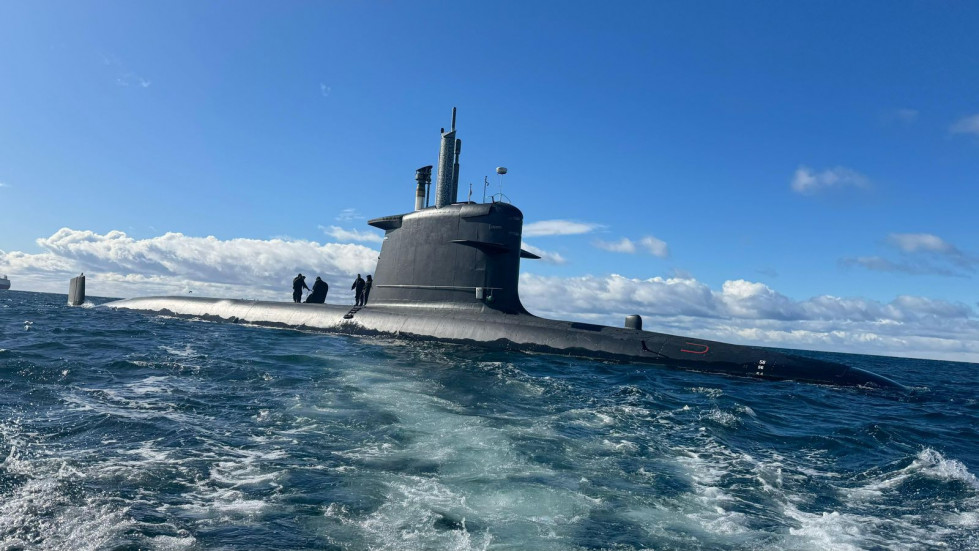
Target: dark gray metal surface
(515,331)
(76,291)
(439,257)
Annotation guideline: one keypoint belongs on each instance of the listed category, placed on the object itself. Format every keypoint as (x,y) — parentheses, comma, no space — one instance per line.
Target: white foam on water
(46,502)
(54,503)
(610,418)
(928,463)
(482,490)
(222,504)
(720,417)
(155,385)
(964,519)
(592,418)
(186,358)
(710,392)
(708,505)
(116,403)
(509,375)
(172,543)
(621,446)
(238,474)
(828,530)
(413,507)
(870,515)
(186,352)
(234,476)
(40,515)
(931,463)
(852,531)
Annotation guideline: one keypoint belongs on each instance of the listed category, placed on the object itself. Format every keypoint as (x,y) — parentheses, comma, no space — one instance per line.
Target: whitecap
(829,530)
(932,463)
(720,417)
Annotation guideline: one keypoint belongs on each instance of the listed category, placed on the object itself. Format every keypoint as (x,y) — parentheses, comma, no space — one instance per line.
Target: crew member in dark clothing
(358,288)
(367,288)
(318,294)
(298,283)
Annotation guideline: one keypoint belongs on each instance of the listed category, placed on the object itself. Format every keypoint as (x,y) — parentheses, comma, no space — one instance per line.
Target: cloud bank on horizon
(174,263)
(740,311)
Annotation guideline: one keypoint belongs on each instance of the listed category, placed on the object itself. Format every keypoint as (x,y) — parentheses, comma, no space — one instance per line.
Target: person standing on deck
(367,288)
(298,283)
(358,288)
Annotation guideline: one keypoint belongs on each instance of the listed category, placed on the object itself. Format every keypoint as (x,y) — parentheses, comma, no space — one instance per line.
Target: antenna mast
(501,170)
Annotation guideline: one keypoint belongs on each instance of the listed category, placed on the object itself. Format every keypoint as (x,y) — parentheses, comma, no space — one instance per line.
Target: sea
(125,431)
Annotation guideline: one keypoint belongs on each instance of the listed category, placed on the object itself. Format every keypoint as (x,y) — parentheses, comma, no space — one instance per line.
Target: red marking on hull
(704,351)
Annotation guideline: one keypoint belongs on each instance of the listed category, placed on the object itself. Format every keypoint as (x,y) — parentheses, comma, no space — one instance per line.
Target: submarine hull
(517,331)
(451,273)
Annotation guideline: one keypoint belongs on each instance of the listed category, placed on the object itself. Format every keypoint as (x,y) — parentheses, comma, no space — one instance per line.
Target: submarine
(450,272)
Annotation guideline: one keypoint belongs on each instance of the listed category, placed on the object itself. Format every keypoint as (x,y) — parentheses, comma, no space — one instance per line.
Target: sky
(790,174)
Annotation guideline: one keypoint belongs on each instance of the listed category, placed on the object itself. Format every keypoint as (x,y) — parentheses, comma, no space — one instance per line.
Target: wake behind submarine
(450,272)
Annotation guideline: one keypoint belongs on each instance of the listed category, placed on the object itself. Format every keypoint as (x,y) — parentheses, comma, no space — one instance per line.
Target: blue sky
(798,174)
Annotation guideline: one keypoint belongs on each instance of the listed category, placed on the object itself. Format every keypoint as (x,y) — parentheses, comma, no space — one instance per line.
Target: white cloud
(881,264)
(132,79)
(124,76)
(325,90)
(906,115)
(912,242)
(921,254)
(656,247)
(340,234)
(652,245)
(349,215)
(808,182)
(624,245)
(966,125)
(3,184)
(558,227)
(545,256)
(119,265)
(753,313)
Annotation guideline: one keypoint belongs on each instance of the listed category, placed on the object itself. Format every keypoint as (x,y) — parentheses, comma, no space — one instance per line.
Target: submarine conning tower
(451,255)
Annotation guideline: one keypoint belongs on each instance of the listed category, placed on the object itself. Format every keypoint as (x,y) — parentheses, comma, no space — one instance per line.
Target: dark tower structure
(453,255)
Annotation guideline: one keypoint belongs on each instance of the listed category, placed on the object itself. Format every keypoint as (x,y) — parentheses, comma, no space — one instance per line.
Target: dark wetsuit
(320,288)
(367,289)
(358,288)
(298,283)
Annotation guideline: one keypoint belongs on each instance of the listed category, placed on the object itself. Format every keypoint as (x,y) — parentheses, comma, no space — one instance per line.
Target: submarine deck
(525,332)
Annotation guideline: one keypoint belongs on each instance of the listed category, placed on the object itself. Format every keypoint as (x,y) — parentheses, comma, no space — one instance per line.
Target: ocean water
(120,430)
